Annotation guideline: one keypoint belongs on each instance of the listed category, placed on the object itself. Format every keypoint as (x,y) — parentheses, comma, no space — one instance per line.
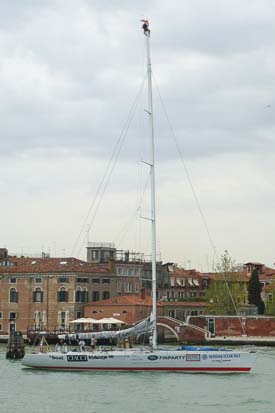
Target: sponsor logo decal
(153,357)
(77,357)
(224,356)
(204,356)
(56,357)
(193,357)
(98,357)
(172,357)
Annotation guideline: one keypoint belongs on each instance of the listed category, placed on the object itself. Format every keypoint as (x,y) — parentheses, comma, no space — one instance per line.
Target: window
(96,296)
(1,314)
(106,281)
(190,282)
(63,280)
(78,314)
(38,280)
(270,298)
(118,271)
(118,287)
(13,295)
(12,315)
(96,280)
(78,296)
(194,312)
(62,295)
(38,295)
(181,294)
(12,280)
(204,283)
(84,296)
(172,313)
(105,295)
(95,255)
(1,328)
(82,280)
(128,288)
(63,319)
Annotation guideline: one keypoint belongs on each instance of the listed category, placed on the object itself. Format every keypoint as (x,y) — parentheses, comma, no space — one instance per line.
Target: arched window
(13,295)
(84,295)
(62,295)
(78,295)
(38,295)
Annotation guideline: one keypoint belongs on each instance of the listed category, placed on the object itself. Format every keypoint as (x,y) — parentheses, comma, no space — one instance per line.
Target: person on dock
(81,344)
(93,342)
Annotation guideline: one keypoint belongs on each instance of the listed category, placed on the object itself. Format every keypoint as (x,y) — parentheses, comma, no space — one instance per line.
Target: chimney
(111,265)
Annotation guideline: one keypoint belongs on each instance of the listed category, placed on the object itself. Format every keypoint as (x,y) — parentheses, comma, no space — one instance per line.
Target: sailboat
(183,359)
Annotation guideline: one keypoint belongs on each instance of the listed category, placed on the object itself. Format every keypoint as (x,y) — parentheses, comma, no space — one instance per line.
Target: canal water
(25,390)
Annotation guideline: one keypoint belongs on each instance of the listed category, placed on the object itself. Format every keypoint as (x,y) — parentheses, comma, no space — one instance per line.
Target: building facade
(48,293)
(184,285)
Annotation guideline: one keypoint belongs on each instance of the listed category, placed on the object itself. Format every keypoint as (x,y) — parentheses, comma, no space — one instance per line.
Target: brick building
(183,284)
(47,293)
(133,270)
(127,308)
(131,308)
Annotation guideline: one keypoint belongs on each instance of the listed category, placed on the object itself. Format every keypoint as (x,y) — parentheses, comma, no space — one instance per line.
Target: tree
(254,290)
(227,290)
(226,265)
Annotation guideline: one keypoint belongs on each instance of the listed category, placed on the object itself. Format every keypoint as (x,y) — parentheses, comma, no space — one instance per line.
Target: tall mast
(153,197)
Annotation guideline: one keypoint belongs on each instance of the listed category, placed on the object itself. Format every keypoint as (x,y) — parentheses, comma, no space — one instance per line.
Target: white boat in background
(184,359)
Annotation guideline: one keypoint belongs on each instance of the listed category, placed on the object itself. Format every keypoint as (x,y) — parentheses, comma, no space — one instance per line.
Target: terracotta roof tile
(50,265)
(185,304)
(125,300)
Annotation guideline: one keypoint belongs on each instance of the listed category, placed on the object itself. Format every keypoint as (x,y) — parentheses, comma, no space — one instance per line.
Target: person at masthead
(145,27)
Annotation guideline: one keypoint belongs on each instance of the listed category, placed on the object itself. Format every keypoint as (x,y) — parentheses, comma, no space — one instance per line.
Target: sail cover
(143,327)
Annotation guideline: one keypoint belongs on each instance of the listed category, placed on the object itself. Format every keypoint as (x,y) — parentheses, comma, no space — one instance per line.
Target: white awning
(84,320)
(181,282)
(110,320)
(196,282)
(190,282)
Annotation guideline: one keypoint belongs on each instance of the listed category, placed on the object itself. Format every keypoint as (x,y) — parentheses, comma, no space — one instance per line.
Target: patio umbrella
(84,320)
(111,320)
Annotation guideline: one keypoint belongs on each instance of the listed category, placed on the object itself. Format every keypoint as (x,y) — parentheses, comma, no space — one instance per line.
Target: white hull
(145,360)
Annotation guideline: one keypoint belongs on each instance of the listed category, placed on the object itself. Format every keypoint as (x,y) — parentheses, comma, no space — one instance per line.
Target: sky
(74,138)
